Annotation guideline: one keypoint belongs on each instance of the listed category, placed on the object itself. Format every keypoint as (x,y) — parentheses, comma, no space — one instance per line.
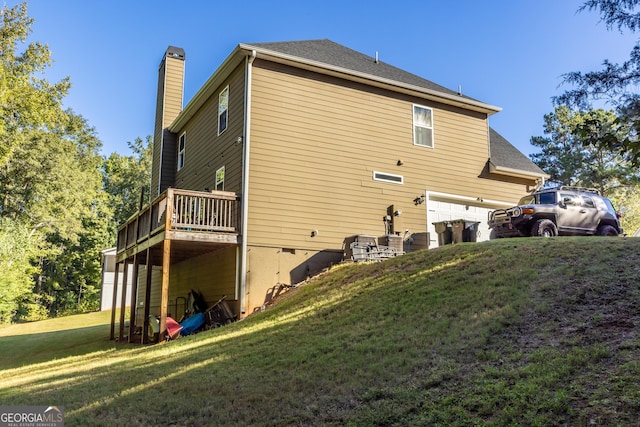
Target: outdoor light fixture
(418,200)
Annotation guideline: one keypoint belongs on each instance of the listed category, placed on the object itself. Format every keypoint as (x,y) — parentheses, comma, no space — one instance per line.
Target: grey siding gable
(505,155)
(169,158)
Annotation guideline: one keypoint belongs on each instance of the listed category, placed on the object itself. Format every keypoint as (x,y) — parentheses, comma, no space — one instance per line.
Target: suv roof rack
(574,188)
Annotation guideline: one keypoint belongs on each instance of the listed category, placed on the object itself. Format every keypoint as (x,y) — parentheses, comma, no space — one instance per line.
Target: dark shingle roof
(328,52)
(504,154)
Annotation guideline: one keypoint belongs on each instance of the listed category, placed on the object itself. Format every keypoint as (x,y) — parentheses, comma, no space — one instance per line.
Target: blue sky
(508,53)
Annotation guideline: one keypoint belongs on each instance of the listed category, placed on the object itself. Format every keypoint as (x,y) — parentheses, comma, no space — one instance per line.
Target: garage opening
(462,214)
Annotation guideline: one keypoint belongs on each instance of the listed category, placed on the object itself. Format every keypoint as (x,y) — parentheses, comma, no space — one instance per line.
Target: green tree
(27,102)
(69,277)
(560,156)
(53,178)
(53,186)
(615,84)
(125,177)
(17,247)
(51,198)
(569,155)
(627,202)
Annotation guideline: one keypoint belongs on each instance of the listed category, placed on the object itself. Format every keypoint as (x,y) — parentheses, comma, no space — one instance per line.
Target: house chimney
(168,106)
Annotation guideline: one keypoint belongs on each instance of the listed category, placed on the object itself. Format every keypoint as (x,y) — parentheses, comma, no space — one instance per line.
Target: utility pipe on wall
(246,138)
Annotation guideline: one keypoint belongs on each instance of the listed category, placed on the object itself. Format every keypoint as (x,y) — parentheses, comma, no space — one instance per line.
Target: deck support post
(166,264)
(164,299)
(147,298)
(114,303)
(134,294)
(123,300)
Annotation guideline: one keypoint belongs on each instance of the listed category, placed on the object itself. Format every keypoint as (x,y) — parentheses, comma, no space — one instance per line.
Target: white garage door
(449,211)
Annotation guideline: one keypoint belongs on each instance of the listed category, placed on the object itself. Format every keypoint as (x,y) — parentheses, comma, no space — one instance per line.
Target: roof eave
(244,50)
(503,170)
(229,64)
(369,79)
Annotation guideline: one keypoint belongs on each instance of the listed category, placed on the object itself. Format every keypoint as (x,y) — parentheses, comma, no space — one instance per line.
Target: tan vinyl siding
(205,151)
(269,266)
(316,141)
(173,90)
(212,274)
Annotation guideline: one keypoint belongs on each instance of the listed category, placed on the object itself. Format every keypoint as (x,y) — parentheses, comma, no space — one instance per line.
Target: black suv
(557,211)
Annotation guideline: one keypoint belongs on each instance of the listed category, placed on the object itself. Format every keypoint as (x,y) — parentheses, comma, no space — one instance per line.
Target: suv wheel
(544,228)
(607,230)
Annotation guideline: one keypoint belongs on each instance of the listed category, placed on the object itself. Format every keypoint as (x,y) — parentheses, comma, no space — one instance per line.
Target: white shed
(108,259)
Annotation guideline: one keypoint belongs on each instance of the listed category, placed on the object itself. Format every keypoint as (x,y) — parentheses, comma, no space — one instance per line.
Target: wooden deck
(178,225)
(194,221)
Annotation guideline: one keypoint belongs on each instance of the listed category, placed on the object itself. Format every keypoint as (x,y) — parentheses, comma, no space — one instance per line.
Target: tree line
(599,147)
(61,201)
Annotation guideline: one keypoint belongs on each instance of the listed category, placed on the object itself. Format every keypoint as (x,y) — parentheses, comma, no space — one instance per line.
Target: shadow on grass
(313,357)
(18,350)
(379,344)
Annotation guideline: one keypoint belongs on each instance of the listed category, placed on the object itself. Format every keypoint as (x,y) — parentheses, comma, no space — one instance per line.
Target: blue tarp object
(192,324)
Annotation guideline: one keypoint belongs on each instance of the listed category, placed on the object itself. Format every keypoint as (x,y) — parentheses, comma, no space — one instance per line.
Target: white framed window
(223,110)
(182,141)
(388,177)
(422,126)
(220,179)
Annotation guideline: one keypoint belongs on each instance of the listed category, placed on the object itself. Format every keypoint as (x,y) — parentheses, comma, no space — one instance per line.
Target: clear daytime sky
(507,53)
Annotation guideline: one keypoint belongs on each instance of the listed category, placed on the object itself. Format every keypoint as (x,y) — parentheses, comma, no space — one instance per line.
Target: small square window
(181,146)
(422,126)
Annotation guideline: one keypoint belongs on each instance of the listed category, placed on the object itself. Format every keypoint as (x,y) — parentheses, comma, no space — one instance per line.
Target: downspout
(246,138)
(427,196)
(488,139)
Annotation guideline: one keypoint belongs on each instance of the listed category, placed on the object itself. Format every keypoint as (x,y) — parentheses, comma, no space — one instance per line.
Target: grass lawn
(508,332)
(28,343)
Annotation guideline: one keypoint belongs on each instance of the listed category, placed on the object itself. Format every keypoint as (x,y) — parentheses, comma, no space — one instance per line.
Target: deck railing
(215,211)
